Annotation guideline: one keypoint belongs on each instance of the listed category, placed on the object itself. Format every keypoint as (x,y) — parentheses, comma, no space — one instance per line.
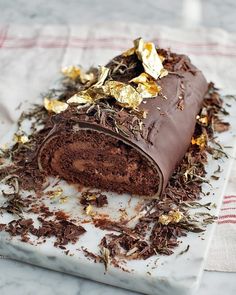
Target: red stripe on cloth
(88,47)
(227,216)
(129,40)
(226,221)
(230,201)
(3,36)
(229,208)
(229,197)
(104,43)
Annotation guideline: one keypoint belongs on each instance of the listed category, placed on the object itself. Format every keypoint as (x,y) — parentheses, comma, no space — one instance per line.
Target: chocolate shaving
(93,198)
(64,231)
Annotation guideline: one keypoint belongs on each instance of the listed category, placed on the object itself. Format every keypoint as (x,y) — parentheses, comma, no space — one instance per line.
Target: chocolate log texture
(116,149)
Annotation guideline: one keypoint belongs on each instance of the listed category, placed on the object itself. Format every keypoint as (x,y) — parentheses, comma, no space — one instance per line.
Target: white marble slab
(172,274)
(22,279)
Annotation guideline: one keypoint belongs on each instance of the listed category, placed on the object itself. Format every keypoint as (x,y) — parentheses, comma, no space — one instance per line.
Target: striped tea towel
(30,58)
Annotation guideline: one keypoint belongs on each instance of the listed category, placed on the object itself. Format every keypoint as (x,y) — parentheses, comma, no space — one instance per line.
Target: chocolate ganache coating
(111,148)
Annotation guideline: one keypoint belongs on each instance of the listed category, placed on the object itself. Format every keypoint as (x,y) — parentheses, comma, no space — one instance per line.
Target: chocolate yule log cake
(126,125)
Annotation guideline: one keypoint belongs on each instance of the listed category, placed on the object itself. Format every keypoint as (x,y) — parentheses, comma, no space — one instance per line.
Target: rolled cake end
(98,160)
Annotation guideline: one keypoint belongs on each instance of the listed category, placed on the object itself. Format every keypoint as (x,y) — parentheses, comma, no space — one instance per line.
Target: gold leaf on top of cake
(75,72)
(127,96)
(82,97)
(147,54)
(124,94)
(87,77)
(128,52)
(94,92)
(54,105)
(147,86)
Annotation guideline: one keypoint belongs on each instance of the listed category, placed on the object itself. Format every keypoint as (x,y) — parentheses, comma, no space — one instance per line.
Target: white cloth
(31,57)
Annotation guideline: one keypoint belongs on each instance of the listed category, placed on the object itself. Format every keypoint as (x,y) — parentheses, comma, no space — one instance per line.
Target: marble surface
(167,275)
(157,275)
(19,278)
(22,279)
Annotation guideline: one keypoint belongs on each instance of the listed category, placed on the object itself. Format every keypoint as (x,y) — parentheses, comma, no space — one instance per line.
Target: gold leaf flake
(147,86)
(54,105)
(174,216)
(203,119)
(94,92)
(124,94)
(142,78)
(164,219)
(148,90)
(86,77)
(82,97)
(55,194)
(21,138)
(152,63)
(91,198)
(63,200)
(72,72)
(163,73)
(129,52)
(200,140)
(89,210)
